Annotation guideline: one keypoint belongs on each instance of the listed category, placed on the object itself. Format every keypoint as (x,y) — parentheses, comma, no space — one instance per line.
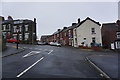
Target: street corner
(11,50)
(102,64)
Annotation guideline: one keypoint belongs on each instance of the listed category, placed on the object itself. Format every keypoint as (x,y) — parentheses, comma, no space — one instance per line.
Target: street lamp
(17,30)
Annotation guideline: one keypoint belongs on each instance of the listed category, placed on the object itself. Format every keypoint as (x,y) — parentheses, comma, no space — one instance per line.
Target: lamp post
(17,30)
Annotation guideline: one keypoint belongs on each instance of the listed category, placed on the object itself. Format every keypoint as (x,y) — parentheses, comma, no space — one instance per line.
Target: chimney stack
(64,27)
(58,29)
(34,20)
(118,22)
(73,24)
(78,20)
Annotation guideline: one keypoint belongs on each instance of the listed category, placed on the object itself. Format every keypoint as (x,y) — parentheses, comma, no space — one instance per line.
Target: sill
(93,33)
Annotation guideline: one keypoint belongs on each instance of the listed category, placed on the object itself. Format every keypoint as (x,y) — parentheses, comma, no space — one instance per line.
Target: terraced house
(27,29)
(87,32)
(111,35)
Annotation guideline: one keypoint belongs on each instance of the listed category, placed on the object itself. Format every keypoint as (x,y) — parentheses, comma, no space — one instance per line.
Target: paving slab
(11,50)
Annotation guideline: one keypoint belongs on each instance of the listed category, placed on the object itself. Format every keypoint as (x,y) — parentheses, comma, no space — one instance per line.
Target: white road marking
(29,67)
(31,53)
(50,51)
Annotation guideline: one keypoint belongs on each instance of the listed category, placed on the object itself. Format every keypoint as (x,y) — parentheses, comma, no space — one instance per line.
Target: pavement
(11,50)
(107,63)
(44,61)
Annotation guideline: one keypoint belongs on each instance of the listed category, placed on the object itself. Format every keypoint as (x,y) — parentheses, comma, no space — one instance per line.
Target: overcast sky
(54,15)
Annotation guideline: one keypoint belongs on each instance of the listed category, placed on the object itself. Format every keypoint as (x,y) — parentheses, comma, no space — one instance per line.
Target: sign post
(17,30)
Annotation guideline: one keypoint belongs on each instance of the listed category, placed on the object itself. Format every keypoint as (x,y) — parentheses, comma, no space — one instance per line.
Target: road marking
(31,53)
(50,51)
(29,67)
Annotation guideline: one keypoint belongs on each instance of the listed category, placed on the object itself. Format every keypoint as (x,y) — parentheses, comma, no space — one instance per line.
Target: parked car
(11,40)
(42,43)
(55,44)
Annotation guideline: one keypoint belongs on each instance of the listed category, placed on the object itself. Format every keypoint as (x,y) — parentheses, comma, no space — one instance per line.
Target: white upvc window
(26,36)
(20,36)
(93,30)
(65,34)
(14,28)
(93,40)
(15,36)
(75,32)
(118,45)
(4,27)
(4,35)
(118,34)
(58,35)
(26,27)
(9,26)
(20,28)
(69,33)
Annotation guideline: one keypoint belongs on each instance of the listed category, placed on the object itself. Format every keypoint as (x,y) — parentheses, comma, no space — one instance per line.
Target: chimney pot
(78,20)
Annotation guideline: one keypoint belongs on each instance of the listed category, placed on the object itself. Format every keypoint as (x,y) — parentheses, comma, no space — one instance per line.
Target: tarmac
(106,64)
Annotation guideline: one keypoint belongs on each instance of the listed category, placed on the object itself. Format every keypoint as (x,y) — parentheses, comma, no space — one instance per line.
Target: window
(9,26)
(65,34)
(20,36)
(4,27)
(118,34)
(4,35)
(93,30)
(26,27)
(69,32)
(75,40)
(26,36)
(84,39)
(15,37)
(75,32)
(93,40)
(57,35)
(117,45)
(20,28)
(14,28)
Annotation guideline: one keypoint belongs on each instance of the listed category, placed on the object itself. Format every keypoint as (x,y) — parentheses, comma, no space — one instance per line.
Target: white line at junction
(31,53)
(50,51)
(29,67)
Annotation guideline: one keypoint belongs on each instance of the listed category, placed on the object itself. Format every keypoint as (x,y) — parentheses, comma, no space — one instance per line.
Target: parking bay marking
(29,67)
(31,53)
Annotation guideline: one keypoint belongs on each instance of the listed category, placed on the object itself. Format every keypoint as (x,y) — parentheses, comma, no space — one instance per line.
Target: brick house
(56,36)
(45,38)
(27,30)
(63,36)
(111,35)
(69,33)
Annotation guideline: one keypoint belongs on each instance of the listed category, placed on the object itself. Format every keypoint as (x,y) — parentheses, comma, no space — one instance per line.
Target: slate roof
(111,26)
(78,24)
(12,21)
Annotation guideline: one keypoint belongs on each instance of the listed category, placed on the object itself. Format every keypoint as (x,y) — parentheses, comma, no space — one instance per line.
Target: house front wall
(84,31)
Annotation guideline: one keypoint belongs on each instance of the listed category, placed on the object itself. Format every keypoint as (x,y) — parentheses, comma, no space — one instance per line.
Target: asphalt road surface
(44,61)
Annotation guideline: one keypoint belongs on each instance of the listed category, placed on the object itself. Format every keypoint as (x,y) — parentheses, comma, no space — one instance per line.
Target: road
(44,61)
